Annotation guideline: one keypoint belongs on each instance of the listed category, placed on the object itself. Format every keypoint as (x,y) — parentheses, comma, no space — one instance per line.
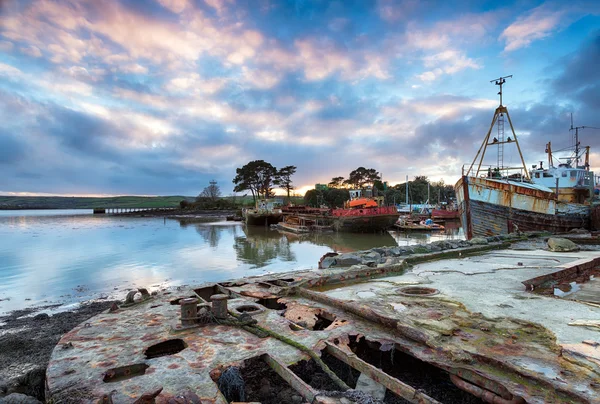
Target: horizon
(157,98)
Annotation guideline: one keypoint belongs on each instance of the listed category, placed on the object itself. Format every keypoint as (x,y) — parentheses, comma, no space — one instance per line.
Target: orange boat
(362,203)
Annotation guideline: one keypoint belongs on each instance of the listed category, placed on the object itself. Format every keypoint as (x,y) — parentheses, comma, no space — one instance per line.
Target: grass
(75,202)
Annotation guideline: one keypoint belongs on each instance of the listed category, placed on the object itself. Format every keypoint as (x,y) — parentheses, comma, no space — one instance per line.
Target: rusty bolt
(189,311)
(219,305)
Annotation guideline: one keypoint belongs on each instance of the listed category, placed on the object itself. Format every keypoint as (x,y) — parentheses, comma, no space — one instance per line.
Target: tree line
(259,177)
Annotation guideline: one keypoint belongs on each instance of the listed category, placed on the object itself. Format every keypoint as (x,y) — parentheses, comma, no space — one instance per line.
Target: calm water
(68,256)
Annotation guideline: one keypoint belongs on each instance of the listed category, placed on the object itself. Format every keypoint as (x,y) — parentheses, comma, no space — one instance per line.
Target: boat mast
(499,141)
(587,149)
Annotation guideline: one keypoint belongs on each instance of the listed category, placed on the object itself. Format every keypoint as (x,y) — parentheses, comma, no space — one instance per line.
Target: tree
(336,182)
(212,191)
(334,198)
(257,176)
(361,177)
(284,180)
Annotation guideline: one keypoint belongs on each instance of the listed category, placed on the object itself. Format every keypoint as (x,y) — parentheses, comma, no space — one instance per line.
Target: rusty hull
(492,207)
(106,356)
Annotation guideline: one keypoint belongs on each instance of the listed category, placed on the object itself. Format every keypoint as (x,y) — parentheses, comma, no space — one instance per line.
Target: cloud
(537,24)
(32,51)
(176,6)
(544,21)
(6,46)
(11,148)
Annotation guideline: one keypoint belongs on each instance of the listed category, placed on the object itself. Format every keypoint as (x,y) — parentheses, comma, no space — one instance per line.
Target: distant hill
(76,202)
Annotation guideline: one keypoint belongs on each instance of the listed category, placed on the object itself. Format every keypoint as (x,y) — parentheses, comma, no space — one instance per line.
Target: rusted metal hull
(266,219)
(492,207)
(149,349)
(364,224)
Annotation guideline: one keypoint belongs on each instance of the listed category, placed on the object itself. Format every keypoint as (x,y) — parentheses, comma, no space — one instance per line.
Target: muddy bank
(27,341)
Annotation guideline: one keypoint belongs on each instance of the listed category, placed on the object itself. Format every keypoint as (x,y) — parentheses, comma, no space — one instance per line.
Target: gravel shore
(26,343)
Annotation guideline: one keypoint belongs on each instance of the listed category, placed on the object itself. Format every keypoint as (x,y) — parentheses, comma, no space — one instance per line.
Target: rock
(18,398)
(562,245)
(395,251)
(296,399)
(32,383)
(41,316)
(435,248)
(348,259)
(371,258)
(381,251)
(479,241)
(327,262)
(3,388)
(579,231)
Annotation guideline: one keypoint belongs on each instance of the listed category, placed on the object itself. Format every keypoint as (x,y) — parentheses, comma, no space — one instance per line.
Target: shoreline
(27,342)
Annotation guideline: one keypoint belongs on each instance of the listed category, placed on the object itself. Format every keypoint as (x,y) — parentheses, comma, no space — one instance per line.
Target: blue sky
(159,97)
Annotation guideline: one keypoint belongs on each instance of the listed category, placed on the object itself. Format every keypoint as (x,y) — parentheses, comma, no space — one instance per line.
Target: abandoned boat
(304,224)
(452,331)
(364,215)
(265,213)
(498,202)
(423,225)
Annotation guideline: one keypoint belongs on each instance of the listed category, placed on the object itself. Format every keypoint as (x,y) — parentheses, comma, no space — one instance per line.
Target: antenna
(499,81)
(577,138)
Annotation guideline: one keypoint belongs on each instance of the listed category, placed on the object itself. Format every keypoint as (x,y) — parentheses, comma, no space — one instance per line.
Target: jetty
(503,319)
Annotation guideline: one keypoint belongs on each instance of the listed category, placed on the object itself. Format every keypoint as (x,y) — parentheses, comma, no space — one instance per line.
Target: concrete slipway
(456,323)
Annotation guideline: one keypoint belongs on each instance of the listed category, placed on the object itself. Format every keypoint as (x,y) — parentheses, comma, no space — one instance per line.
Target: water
(66,256)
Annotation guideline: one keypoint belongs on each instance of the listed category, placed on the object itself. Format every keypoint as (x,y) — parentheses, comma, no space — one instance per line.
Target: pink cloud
(176,6)
(6,46)
(32,51)
(539,23)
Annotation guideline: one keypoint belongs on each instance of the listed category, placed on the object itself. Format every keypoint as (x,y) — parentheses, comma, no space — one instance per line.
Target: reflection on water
(452,231)
(72,256)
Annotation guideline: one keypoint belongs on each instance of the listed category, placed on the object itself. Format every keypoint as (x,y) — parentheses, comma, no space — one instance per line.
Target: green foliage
(257,177)
(283,178)
(361,177)
(336,182)
(438,192)
(333,198)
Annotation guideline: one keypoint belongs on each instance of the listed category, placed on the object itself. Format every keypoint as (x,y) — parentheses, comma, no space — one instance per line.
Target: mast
(499,141)
(407,189)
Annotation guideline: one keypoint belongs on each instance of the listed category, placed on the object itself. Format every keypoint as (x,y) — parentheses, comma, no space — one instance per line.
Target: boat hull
(442,214)
(364,224)
(493,207)
(263,219)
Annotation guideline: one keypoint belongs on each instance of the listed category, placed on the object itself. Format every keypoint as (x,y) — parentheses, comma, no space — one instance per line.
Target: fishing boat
(502,199)
(265,213)
(364,215)
(297,223)
(445,212)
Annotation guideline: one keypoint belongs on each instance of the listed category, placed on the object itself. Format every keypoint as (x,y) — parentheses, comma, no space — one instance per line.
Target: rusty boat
(503,199)
(486,324)
(364,215)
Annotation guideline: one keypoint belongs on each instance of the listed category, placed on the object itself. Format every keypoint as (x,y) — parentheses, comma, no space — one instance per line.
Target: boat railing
(494,172)
(382,210)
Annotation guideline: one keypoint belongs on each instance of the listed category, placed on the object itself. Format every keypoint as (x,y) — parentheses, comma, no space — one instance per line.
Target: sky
(159,97)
